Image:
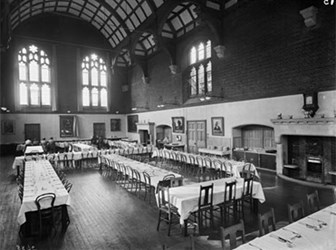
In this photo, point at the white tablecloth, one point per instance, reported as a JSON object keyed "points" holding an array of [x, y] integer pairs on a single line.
{"points": [[78, 147], [237, 166], [185, 198], [314, 235], [39, 178], [155, 173], [34, 150], [214, 152]]}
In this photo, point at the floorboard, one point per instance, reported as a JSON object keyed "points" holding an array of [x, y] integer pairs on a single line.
{"points": [[105, 216]]}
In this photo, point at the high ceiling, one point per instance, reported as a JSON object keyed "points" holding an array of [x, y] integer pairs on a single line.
{"points": [[117, 19]]}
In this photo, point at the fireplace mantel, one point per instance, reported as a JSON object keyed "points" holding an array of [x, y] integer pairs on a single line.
{"points": [[145, 126], [304, 126]]}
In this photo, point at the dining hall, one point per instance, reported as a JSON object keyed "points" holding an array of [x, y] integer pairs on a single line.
{"points": [[158, 125]]}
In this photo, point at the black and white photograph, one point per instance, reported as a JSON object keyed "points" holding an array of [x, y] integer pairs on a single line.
{"points": [[217, 124], [167, 125], [178, 124], [115, 124]]}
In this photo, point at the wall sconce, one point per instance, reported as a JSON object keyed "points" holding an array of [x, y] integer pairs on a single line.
{"points": [[173, 69], [140, 108], [208, 97], [219, 49], [145, 79], [309, 16]]}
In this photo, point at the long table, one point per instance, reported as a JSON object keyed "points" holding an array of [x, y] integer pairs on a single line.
{"points": [[155, 173], [185, 198], [76, 156], [237, 166], [81, 147], [316, 231], [40, 178]]}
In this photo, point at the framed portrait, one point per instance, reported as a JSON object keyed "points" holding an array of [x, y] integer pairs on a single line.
{"points": [[217, 125], [67, 126], [178, 124], [7, 127], [115, 124], [132, 120]]}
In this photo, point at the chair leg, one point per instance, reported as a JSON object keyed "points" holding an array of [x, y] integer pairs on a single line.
{"points": [[158, 225]]}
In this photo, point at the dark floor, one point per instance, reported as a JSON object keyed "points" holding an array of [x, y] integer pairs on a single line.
{"points": [[105, 216]]}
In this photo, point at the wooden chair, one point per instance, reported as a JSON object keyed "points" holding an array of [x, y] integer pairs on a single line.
{"points": [[219, 168], [229, 206], [228, 169], [234, 233], [246, 196], [266, 222], [45, 206], [205, 209], [295, 211], [247, 171], [313, 202], [172, 179], [148, 186], [199, 166], [166, 210]]}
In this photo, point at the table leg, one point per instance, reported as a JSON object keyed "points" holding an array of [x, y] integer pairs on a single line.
{"points": [[185, 230]]}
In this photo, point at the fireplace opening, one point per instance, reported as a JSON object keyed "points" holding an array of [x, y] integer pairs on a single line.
{"points": [[314, 169]]}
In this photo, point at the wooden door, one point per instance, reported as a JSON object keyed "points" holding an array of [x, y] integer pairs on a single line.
{"points": [[99, 130], [196, 133], [32, 132]]}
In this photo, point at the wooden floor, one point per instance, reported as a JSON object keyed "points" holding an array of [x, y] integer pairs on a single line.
{"points": [[105, 216]]}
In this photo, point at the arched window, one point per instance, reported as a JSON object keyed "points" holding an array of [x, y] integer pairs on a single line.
{"points": [[200, 76], [34, 77], [94, 82]]}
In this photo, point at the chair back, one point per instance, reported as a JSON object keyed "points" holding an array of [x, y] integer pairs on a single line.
{"points": [[45, 201], [313, 202], [228, 169], [163, 198], [208, 162], [172, 179], [205, 200], [266, 222], [247, 171], [295, 211], [231, 232], [147, 179], [217, 164], [230, 192], [199, 161], [248, 187], [136, 175], [192, 160]]}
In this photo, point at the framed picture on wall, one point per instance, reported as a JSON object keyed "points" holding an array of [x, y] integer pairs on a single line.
{"points": [[217, 125], [115, 125], [178, 124], [67, 126], [132, 120], [7, 127]]}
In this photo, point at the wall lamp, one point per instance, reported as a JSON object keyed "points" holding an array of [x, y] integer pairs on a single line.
{"points": [[140, 108]]}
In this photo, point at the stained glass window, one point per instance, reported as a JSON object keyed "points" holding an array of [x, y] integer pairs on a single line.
{"points": [[34, 77], [200, 69], [94, 81]]}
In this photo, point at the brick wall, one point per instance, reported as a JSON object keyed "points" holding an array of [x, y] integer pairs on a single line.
{"points": [[269, 52]]}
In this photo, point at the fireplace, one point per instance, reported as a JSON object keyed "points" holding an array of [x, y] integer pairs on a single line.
{"points": [[315, 171], [307, 145]]}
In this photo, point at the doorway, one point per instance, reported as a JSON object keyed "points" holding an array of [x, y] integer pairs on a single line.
{"points": [[196, 135], [32, 132], [99, 130]]}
